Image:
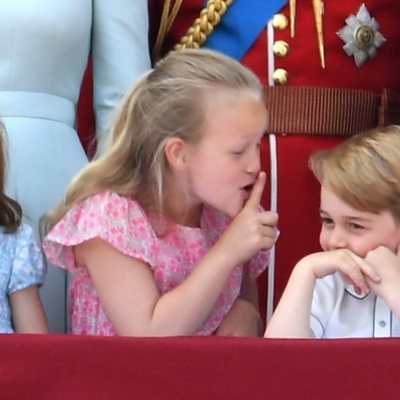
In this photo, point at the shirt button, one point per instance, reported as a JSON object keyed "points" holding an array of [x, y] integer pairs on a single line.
{"points": [[382, 324]]}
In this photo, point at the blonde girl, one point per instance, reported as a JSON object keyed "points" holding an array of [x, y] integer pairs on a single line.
{"points": [[164, 234]]}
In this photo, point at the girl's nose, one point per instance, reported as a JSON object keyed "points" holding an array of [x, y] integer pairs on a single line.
{"points": [[254, 163]]}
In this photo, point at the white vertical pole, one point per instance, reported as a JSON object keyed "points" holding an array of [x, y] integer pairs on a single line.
{"points": [[273, 178]]}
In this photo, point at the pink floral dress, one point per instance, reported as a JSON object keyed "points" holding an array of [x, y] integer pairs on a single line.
{"points": [[122, 223]]}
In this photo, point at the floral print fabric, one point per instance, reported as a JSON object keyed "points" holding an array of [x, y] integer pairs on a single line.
{"points": [[123, 224], [21, 266]]}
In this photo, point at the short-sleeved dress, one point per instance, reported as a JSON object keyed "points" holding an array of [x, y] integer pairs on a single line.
{"points": [[122, 222], [21, 266]]}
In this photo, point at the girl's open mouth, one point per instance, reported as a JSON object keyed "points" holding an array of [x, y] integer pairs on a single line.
{"points": [[248, 188]]}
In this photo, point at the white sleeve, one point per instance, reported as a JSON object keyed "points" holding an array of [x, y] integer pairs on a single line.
{"points": [[120, 51]]}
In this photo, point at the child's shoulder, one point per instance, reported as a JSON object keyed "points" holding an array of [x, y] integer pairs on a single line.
{"points": [[109, 204], [23, 233], [104, 213], [109, 197], [114, 218], [20, 250]]}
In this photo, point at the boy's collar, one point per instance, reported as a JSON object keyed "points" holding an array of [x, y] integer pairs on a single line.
{"points": [[348, 287]]}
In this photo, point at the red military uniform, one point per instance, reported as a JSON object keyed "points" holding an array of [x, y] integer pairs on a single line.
{"points": [[306, 119]]}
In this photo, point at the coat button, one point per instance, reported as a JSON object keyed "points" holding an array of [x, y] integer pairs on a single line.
{"points": [[280, 76], [280, 22], [280, 48]]}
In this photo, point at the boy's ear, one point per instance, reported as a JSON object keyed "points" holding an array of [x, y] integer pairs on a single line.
{"points": [[175, 150]]}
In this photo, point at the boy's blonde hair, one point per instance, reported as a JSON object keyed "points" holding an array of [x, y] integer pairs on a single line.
{"points": [[364, 171], [169, 101]]}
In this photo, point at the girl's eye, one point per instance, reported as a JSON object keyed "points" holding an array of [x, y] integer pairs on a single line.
{"points": [[238, 152]]}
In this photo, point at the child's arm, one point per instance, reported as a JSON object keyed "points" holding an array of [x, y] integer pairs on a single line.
{"points": [[27, 311], [292, 315], [131, 299], [28, 272], [388, 265], [243, 318]]}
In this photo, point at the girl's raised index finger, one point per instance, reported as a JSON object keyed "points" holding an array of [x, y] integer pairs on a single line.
{"points": [[257, 191]]}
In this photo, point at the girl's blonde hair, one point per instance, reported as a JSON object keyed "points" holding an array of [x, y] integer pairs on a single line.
{"points": [[364, 171], [169, 101], [10, 210]]}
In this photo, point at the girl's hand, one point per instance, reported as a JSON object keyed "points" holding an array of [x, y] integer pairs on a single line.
{"points": [[243, 319], [252, 229], [353, 268]]}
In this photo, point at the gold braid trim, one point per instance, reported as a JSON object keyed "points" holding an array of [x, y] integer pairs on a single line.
{"points": [[210, 16]]}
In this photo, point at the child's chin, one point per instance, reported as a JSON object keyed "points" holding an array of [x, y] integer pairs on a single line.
{"points": [[232, 213], [231, 210]]}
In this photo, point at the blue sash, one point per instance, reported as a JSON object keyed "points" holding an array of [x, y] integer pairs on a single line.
{"points": [[241, 25]]}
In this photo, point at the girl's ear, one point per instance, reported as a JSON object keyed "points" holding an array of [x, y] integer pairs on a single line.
{"points": [[175, 150]]}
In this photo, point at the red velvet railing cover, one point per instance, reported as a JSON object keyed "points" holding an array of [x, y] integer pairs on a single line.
{"points": [[71, 367]]}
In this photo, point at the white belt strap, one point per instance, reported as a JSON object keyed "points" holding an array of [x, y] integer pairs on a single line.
{"points": [[21, 104]]}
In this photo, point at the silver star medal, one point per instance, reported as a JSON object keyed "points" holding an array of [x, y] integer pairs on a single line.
{"points": [[361, 36]]}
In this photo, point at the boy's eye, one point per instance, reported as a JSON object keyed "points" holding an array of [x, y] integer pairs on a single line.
{"points": [[355, 226], [326, 221]]}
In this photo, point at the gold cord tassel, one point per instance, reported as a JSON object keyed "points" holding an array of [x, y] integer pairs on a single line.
{"points": [[292, 8], [318, 7], [167, 19]]}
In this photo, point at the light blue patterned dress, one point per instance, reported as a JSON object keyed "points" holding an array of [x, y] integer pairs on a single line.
{"points": [[44, 49], [21, 266]]}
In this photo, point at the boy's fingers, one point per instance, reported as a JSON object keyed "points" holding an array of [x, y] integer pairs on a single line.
{"points": [[367, 268], [257, 191]]}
